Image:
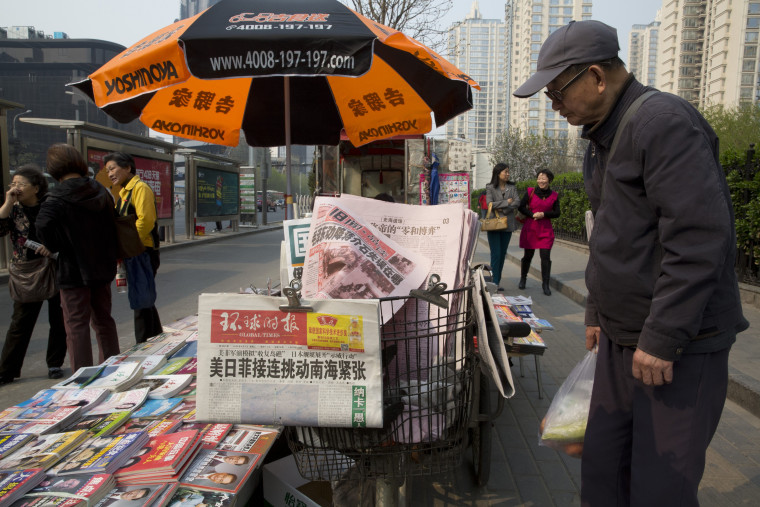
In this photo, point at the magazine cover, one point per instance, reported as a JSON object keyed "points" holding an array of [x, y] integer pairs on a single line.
{"points": [[244, 438], [44, 451], [184, 411], [190, 349], [212, 434], [162, 457], [215, 470], [172, 366], [9, 443], [164, 386], [153, 427], [144, 495], [104, 454], [156, 408], [41, 420], [185, 496], [117, 377], [190, 367], [60, 491], [121, 401], [85, 398], [80, 378], [15, 484], [102, 424]]}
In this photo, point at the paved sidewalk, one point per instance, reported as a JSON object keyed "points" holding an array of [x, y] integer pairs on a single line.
{"points": [[568, 271]]}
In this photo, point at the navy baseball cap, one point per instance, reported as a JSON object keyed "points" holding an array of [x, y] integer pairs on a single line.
{"points": [[577, 42]]}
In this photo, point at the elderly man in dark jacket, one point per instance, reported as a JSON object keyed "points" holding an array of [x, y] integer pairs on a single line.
{"points": [[77, 220], [664, 303]]}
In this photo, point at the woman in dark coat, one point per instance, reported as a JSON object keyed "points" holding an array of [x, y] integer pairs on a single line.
{"points": [[17, 218]]}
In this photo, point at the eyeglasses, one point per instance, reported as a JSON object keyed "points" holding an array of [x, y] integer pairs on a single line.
{"points": [[18, 185], [557, 94]]}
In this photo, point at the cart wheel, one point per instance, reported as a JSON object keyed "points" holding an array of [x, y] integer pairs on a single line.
{"points": [[481, 437]]}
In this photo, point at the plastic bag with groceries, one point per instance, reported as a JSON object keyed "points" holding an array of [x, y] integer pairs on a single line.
{"points": [[564, 425]]}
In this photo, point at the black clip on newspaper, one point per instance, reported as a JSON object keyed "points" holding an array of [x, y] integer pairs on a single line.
{"points": [[433, 292], [294, 300]]}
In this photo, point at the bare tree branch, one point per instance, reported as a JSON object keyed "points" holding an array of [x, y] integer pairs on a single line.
{"points": [[419, 19]]}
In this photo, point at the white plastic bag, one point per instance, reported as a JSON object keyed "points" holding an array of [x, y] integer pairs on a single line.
{"points": [[564, 425]]}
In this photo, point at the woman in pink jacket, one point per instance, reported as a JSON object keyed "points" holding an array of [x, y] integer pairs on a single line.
{"points": [[539, 205]]}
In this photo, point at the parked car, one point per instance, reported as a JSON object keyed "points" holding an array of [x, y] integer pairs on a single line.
{"points": [[280, 203]]}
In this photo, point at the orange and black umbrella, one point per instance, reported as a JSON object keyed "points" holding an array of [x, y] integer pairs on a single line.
{"points": [[284, 72]]}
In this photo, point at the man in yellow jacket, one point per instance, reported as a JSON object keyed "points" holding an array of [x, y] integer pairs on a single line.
{"points": [[138, 198]]}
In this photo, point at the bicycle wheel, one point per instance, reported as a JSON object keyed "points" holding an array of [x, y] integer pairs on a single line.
{"points": [[480, 436]]}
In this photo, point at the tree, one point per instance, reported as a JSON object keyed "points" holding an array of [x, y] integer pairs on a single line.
{"points": [[736, 127], [418, 19], [526, 153]]}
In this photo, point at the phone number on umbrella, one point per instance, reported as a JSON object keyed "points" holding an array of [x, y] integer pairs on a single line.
{"points": [[282, 59]]}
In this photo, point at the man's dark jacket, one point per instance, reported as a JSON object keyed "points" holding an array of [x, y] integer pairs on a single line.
{"points": [[661, 265], [77, 220]]}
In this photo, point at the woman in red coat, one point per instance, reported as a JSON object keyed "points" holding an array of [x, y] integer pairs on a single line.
{"points": [[539, 205]]}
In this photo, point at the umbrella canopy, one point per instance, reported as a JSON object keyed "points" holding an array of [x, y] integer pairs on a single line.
{"points": [[284, 72]]}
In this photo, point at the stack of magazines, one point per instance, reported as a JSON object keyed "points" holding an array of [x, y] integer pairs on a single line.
{"points": [[69, 491], [119, 434]]}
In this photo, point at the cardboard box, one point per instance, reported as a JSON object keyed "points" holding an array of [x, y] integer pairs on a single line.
{"points": [[284, 486]]}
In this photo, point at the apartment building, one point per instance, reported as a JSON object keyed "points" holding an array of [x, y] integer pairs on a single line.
{"points": [[529, 23], [477, 46], [643, 52], [709, 51]]}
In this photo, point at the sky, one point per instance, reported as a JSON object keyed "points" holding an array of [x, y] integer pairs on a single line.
{"points": [[126, 22]]}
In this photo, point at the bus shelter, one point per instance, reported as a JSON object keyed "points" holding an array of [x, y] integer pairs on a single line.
{"points": [[5, 173]]}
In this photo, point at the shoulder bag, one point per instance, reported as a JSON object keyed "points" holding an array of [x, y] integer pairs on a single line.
{"points": [[128, 239], [498, 223], [32, 280]]}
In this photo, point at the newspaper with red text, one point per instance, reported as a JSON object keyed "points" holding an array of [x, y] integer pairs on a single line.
{"points": [[261, 365]]}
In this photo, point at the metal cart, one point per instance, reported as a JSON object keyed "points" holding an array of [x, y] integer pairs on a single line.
{"points": [[429, 367]]}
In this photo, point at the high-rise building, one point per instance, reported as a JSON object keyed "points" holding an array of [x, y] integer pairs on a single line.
{"points": [[709, 51], [529, 23], [642, 52], [477, 47], [34, 72]]}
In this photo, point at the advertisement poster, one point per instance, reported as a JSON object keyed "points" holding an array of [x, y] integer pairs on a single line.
{"points": [[154, 172], [262, 365], [455, 188], [218, 192], [247, 193]]}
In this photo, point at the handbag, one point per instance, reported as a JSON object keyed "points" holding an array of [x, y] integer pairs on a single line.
{"points": [[519, 216], [32, 280], [498, 223], [128, 239], [128, 242]]}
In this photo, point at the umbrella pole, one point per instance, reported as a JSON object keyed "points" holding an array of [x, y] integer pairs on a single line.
{"points": [[288, 192]]}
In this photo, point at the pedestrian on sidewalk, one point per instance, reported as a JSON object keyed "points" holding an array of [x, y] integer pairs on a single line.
{"points": [[18, 214], [539, 205], [137, 198], [502, 195], [76, 220], [663, 304], [483, 204]]}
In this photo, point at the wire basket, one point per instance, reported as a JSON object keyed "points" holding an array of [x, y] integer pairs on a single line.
{"points": [[428, 367]]}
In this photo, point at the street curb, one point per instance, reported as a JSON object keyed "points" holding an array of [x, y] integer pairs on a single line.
{"points": [[194, 242], [742, 389]]}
